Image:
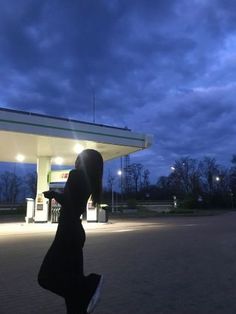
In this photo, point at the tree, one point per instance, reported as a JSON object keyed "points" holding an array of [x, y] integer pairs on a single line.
{"points": [[135, 173], [110, 181], [146, 179], [165, 189], [210, 171], [10, 186], [232, 173], [185, 178], [31, 183]]}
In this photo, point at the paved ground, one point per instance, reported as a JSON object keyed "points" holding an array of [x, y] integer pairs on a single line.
{"points": [[151, 266]]}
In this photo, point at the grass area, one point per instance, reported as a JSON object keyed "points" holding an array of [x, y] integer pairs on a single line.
{"points": [[142, 213]]}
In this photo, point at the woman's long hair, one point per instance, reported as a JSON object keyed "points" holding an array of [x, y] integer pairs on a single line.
{"points": [[90, 161]]}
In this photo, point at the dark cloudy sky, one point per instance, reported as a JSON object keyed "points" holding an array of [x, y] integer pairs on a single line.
{"points": [[160, 67]]}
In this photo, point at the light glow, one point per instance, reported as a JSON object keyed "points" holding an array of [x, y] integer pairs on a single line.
{"points": [[78, 148], [20, 157], [59, 160], [119, 172]]}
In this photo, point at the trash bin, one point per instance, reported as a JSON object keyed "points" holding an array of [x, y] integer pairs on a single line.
{"points": [[91, 212], [102, 215], [29, 210]]}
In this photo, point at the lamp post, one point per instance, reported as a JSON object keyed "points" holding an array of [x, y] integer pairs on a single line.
{"points": [[114, 196], [119, 172], [112, 199]]}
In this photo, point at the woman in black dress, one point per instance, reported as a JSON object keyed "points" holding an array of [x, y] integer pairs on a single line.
{"points": [[62, 270]]}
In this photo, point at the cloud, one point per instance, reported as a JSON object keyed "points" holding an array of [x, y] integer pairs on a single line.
{"points": [[161, 67]]}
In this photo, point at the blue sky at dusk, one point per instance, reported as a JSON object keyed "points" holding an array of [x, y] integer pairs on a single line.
{"points": [[167, 68]]}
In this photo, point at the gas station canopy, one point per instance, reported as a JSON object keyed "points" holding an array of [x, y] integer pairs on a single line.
{"points": [[45, 140], [32, 135]]}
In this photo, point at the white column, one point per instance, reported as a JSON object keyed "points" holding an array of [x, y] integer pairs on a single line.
{"points": [[41, 203]]}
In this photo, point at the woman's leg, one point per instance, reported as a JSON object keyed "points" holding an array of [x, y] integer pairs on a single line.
{"points": [[76, 292], [73, 306], [89, 287]]}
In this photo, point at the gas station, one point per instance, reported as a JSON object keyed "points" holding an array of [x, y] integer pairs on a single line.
{"points": [[45, 141]]}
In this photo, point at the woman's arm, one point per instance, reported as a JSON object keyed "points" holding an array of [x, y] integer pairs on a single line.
{"points": [[59, 197]]}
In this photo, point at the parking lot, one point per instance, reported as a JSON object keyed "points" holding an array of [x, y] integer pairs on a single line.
{"points": [[162, 265]]}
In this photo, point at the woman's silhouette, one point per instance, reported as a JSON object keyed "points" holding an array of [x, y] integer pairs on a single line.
{"points": [[62, 270]]}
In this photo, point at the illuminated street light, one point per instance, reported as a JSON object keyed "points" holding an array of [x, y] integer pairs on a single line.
{"points": [[119, 172], [172, 168], [217, 178]]}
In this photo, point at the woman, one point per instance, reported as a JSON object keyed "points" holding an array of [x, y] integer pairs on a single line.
{"points": [[62, 270]]}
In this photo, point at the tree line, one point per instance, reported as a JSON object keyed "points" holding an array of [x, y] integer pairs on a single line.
{"points": [[14, 188], [194, 183]]}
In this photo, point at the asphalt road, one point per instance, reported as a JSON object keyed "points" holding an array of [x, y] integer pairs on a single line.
{"points": [[184, 265]]}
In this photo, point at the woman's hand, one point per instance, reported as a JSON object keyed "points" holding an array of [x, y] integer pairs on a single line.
{"points": [[48, 194]]}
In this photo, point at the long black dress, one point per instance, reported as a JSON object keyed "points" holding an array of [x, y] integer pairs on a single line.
{"points": [[62, 269]]}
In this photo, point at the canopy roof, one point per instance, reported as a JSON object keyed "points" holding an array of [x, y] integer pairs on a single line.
{"points": [[34, 135]]}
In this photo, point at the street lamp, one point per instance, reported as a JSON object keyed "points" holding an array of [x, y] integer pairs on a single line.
{"points": [[114, 195], [120, 173]]}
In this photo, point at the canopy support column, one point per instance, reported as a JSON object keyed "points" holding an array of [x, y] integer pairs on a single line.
{"points": [[41, 203]]}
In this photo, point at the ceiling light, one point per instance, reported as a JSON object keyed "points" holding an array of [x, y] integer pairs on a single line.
{"points": [[78, 148], [20, 157], [58, 160]]}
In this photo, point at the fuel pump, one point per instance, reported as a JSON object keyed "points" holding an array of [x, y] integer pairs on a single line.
{"points": [[54, 210]]}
